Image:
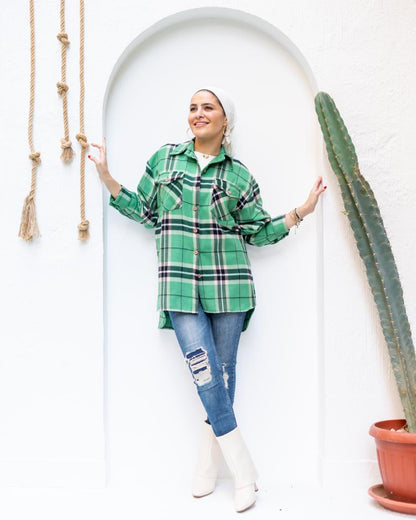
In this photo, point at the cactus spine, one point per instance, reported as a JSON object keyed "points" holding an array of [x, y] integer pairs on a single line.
{"points": [[374, 247]]}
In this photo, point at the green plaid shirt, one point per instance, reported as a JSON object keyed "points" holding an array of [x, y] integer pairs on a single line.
{"points": [[202, 222]]}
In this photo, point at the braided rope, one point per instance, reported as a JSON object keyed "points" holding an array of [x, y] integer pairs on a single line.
{"points": [[29, 227], [83, 232], [66, 145]]}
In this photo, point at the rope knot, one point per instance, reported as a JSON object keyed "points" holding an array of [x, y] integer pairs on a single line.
{"points": [[35, 157], [63, 38], [62, 87], [82, 140], [83, 226], [65, 143], [83, 233], [67, 151]]}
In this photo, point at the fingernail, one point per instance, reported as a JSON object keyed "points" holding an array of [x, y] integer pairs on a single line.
{"points": [[89, 157], [325, 187]]}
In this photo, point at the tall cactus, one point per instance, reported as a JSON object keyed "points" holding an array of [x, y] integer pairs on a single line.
{"points": [[374, 247]]}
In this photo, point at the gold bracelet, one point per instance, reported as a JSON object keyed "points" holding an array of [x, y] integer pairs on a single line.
{"points": [[295, 217]]}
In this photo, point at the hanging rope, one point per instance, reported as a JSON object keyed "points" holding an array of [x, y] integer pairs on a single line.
{"points": [[66, 145], [29, 226], [83, 232]]}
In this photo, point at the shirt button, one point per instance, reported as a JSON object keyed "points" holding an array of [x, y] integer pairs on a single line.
{"points": [[195, 230], [195, 208], [229, 192], [196, 252], [199, 275]]}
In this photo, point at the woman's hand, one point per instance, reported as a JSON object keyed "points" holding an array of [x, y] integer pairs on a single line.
{"points": [[312, 200], [102, 168], [309, 206], [100, 161]]}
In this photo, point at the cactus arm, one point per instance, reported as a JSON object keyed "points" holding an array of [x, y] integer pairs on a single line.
{"points": [[375, 250]]}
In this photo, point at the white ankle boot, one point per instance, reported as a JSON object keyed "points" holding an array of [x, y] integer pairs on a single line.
{"points": [[242, 468], [209, 461]]}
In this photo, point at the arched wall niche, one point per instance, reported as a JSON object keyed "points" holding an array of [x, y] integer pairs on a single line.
{"points": [[280, 355], [215, 14]]}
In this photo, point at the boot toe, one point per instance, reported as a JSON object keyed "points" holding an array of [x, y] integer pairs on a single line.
{"points": [[244, 498], [202, 486]]}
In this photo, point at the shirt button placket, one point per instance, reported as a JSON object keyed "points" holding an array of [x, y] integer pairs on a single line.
{"points": [[197, 260]]}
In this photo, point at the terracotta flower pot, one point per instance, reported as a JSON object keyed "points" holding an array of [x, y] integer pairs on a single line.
{"points": [[396, 453]]}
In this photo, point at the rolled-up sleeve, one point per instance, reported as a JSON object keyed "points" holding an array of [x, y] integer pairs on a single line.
{"points": [[141, 205], [255, 224]]}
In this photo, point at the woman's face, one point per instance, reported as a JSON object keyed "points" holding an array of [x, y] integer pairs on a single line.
{"points": [[206, 117]]}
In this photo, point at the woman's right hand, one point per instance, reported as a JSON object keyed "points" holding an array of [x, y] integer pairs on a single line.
{"points": [[102, 168], [101, 160]]}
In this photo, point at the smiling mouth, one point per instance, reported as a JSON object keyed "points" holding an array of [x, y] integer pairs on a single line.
{"points": [[200, 123]]}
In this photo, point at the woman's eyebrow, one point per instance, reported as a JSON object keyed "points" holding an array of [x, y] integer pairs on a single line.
{"points": [[202, 104]]}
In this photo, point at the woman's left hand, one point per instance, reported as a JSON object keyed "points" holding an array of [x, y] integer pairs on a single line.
{"points": [[292, 218], [309, 207]]}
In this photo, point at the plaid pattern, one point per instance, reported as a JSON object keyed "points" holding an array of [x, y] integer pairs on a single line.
{"points": [[202, 222]]}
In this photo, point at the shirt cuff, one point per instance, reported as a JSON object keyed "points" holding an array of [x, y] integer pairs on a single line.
{"points": [[279, 225], [123, 199]]}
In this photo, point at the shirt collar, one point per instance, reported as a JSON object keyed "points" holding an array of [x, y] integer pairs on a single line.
{"points": [[188, 149]]}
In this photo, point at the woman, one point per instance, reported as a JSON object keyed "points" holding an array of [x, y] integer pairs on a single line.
{"points": [[204, 206]]}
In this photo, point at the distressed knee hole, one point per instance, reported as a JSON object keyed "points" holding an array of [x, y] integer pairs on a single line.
{"points": [[225, 375], [198, 363]]}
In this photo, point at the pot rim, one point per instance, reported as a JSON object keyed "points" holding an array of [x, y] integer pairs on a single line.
{"points": [[382, 430]]}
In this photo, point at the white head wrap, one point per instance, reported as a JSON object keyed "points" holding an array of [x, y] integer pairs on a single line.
{"points": [[228, 105]]}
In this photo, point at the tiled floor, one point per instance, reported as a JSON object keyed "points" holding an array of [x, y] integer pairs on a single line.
{"points": [[163, 504]]}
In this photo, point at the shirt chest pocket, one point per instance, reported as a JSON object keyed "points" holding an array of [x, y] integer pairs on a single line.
{"points": [[170, 190], [224, 202]]}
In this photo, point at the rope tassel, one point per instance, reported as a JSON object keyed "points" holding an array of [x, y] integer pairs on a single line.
{"points": [[83, 230], [67, 151], [29, 226]]}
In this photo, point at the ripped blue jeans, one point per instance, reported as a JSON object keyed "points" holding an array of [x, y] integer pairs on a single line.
{"points": [[209, 343]]}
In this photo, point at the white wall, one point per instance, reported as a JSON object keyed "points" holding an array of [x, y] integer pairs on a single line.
{"points": [[62, 377]]}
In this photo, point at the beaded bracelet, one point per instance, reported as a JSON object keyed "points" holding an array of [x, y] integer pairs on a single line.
{"points": [[295, 217]]}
